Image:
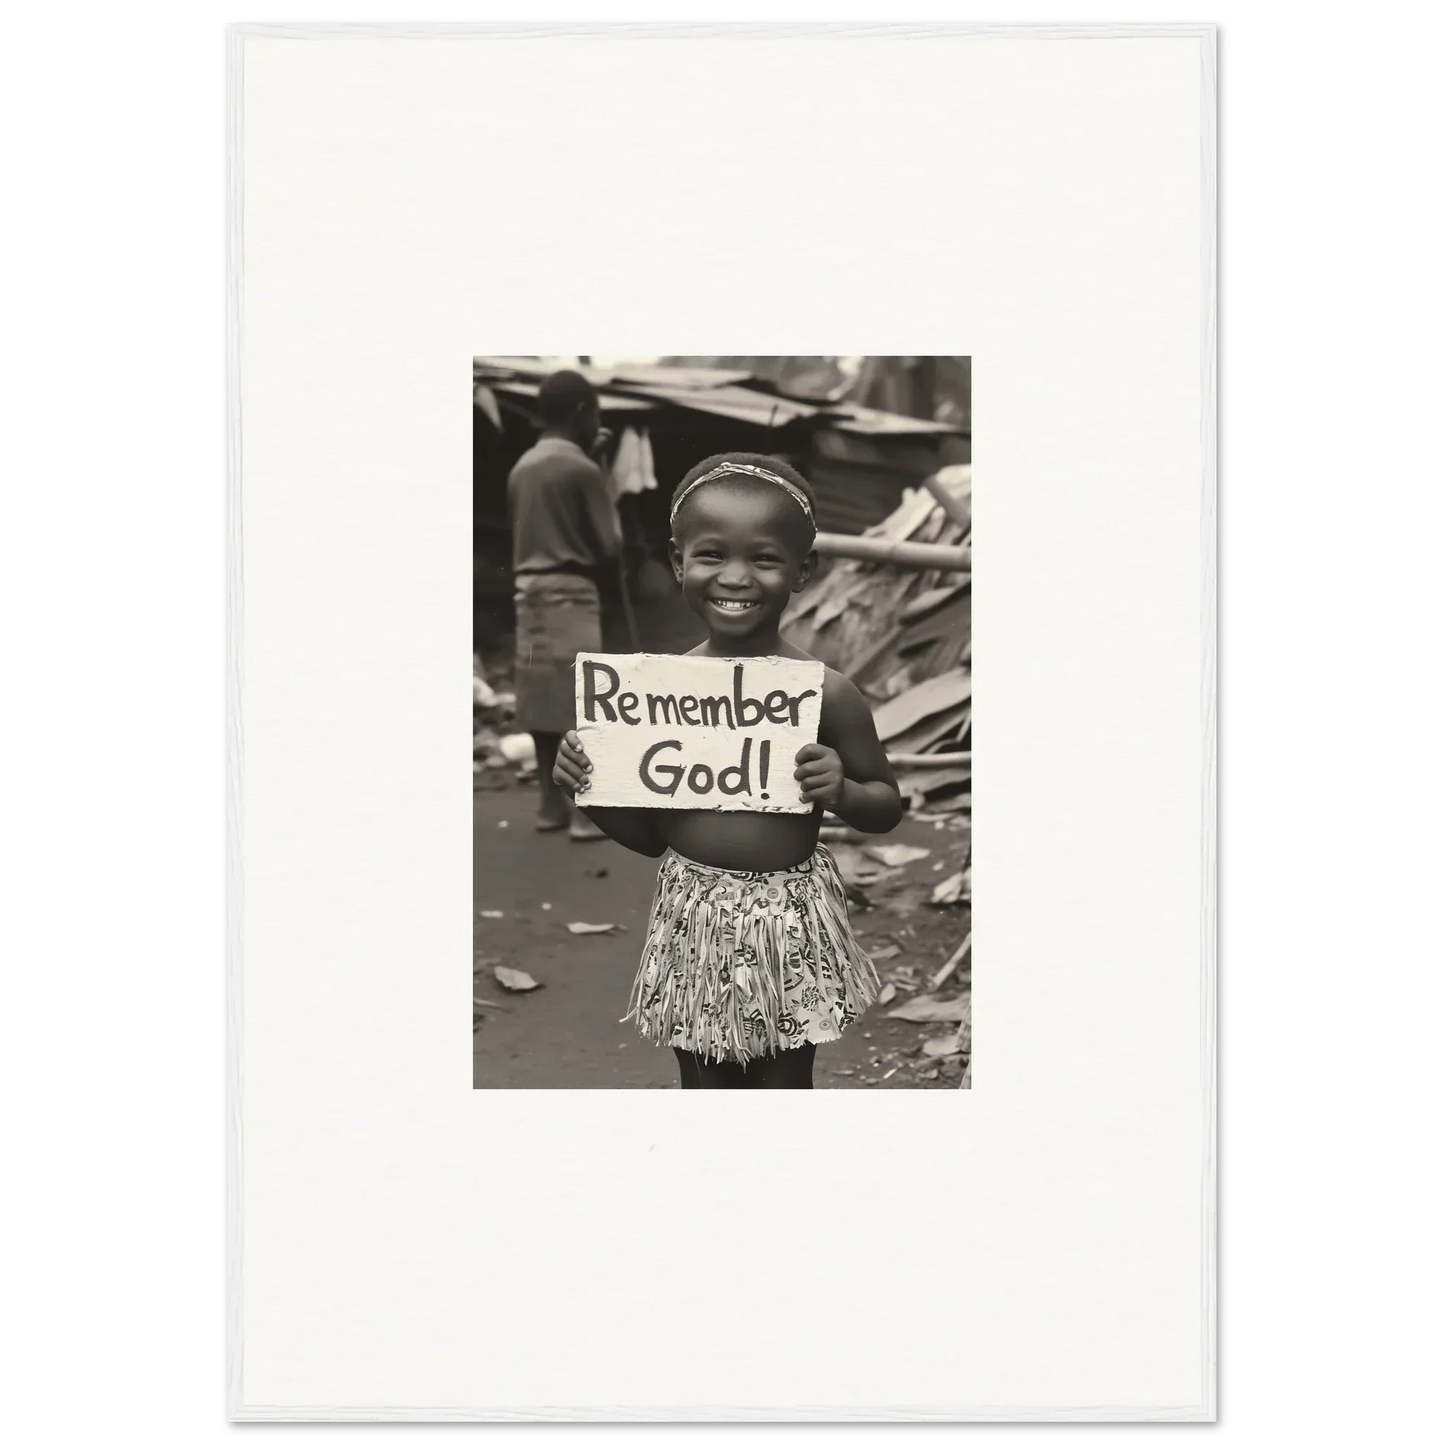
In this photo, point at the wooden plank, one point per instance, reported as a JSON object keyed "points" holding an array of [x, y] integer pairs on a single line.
{"points": [[897, 554], [956, 509], [922, 736], [899, 714], [933, 599], [932, 780]]}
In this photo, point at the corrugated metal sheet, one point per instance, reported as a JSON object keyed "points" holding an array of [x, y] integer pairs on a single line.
{"points": [[686, 378], [807, 378], [529, 368], [734, 402], [865, 421], [607, 400]]}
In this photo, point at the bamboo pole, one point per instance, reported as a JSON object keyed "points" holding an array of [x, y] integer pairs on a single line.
{"points": [[923, 555], [953, 508]]}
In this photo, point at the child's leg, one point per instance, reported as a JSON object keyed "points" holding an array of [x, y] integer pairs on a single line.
{"points": [[552, 812], [786, 1069], [702, 1073], [687, 1069]]}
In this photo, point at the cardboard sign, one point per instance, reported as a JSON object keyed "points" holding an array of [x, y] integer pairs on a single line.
{"points": [[696, 732]]}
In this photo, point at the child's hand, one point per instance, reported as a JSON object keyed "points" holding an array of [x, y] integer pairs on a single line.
{"points": [[571, 770], [820, 771]]}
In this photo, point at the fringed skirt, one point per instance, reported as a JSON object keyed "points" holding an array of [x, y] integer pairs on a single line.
{"points": [[738, 965]]}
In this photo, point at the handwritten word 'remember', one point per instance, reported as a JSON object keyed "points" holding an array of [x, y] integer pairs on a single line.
{"points": [[738, 711]]}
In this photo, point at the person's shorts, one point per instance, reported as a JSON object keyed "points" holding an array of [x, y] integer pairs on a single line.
{"points": [[558, 616]]}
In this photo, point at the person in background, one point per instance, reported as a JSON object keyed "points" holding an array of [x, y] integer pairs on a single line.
{"points": [[565, 530]]}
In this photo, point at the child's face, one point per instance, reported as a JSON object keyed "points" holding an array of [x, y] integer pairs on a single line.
{"points": [[738, 557]]}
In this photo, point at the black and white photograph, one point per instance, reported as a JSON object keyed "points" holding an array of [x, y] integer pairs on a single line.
{"points": [[721, 718]]}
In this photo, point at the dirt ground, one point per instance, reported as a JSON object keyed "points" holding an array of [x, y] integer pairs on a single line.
{"points": [[568, 1035]]}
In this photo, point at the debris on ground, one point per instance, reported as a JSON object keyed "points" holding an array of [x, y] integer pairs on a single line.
{"points": [[596, 928], [937, 1048], [518, 748], [514, 979], [887, 993], [953, 889], [857, 866], [930, 1009], [882, 955], [896, 855], [478, 1005], [493, 708], [491, 913]]}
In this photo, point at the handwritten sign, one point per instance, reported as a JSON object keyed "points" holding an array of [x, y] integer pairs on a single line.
{"points": [[696, 732]]}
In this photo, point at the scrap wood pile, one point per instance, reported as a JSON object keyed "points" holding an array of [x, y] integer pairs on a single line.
{"points": [[902, 635]]}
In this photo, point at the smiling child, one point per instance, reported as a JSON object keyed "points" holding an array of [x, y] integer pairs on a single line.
{"points": [[750, 962]]}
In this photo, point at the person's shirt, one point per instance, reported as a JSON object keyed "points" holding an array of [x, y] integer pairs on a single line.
{"points": [[562, 516]]}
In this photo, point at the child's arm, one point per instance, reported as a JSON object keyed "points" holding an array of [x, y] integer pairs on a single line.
{"points": [[847, 770], [632, 827]]}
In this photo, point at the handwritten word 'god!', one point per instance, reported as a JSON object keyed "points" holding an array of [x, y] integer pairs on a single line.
{"points": [[666, 777]]}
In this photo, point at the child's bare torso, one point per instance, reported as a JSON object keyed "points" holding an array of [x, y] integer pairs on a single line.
{"points": [[748, 842]]}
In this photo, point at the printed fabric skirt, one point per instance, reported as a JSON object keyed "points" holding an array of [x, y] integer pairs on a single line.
{"points": [[558, 615], [739, 965]]}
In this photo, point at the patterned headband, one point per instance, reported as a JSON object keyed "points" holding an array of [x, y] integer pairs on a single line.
{"points": [[727, 467]]}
